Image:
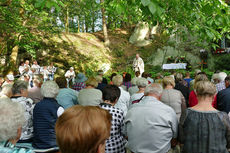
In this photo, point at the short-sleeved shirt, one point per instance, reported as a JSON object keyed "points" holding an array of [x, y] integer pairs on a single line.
{"points": [[116, 142], [7, 147], [150, 125], [27, 128], [204, 131]]}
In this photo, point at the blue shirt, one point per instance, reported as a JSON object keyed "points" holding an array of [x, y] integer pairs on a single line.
{"points": [[67, 97], [7, 147]]}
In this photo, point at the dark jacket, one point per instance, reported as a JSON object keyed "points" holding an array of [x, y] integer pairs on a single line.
{"points": [[44, 120], [223, 100], [184, 90]]}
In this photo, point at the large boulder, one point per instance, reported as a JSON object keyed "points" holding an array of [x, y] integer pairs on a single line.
{"points": [[141, 31]]}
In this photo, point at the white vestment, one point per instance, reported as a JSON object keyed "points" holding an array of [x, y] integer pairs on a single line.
{"points": [[138, 65]]}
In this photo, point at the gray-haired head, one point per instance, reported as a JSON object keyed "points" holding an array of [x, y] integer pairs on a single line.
{"points": [[134, 81], [19, 86], [12, 118], [117, 80], [154, 88], [50, 89], [142, 82]]}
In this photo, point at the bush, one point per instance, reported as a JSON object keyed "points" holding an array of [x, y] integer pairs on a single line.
{"points": [[223, 62]]}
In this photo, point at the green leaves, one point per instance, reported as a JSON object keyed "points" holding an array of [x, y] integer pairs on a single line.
{"points": [[145, 2], [152, 7]]}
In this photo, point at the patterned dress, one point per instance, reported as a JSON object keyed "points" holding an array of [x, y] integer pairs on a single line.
{"points": [[27, 128], [7, 147], [116, 142]]}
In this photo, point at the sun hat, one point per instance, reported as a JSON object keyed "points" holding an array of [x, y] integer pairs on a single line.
{"points": [[81, 78], [10, 77]]}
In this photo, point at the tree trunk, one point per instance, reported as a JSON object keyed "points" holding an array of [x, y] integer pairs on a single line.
{"points": [[106, 38], [67, 20], [78, 24], [93, 21]]}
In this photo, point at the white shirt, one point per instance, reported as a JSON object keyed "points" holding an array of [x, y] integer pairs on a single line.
{"points": [[134, 97], [21, 69], [52, 69], [69, 74], [45, 73], [37, 68], [123, 101]]}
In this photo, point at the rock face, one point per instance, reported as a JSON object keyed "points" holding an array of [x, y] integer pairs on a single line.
{"points": [[141, 31], [159, 57]]}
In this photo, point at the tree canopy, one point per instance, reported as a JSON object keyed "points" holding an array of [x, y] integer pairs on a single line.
{"points": [[24, 23]]}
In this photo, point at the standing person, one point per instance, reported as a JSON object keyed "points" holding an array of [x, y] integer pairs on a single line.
{"points": [[45, 73], [116, 142], [36, 67], [52, 69], [21, 68], [151, 126], [203, 129], [70, 75], [223, 97], [138, 64], [27, 63]]}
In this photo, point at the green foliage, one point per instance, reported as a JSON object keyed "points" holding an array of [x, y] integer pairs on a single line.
{"points": [[222, 62]]}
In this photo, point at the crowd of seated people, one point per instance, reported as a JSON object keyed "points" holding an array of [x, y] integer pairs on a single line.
{"points": [[92, 114]]}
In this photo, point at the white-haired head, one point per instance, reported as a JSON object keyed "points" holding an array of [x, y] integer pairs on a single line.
{"points": [[12, 118], [154, 89], [117, 80], [221, 76], [50, 89], [142, 82], [7, 90]]}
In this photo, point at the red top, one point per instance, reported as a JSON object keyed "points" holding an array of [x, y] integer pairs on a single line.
{"points": [[193, 100]]}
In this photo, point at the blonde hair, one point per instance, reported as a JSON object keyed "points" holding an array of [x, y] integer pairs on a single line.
{"points": [[205, 88], [117, 80], [92, 82], [168, 80], [200, 77], [81, 129], [99, 78]]}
